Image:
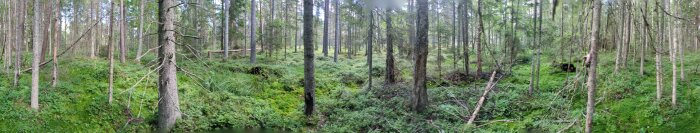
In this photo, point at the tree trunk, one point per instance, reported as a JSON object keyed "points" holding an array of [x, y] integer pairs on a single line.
{"points": [[10, 30], [466, 4], [111, 50], [140, 47], [658, 49], [20, 12], [370, 39], [37, 54], [224, 34], [252, 32], [168, 105], [420, 93], [309, 80], [593, 58], [93, 17], [57, 43], [326, 3], [122, 33], [672, 54], [337, 31], [479, 33], [390, 77]]}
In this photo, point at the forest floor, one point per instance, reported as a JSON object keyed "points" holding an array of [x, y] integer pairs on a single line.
{"points": [[233, 94]]}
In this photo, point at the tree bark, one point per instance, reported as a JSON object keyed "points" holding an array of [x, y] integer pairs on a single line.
{"points": [[390, 77], [57, 43], [325, 27], [140, 47], [420, 93], [111, 50], [252, 32], [337, 31], [224, 30], [19, 39], [309, 80], [370, 39], [37, 54], [479, 33], [592, 74], [672, 54], [168, 105], [122, 33]]}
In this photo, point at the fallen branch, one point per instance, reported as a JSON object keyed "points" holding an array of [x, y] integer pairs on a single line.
{"points": [[570, 125], [489, 86], [69, 48], [494, 121]]}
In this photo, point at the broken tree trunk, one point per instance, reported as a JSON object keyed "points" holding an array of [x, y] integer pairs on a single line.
{"points": [[489, 86]]}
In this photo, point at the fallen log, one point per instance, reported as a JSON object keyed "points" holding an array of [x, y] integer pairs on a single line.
{"points": [[489, 86]]}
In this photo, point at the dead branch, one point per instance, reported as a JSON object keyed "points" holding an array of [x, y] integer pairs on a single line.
{"points": [[489, 86]]}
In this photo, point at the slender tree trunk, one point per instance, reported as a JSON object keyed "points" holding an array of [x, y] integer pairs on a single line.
{"points": [[390, 77], [659, 70], [326, 4], [309, 80], [37, 54], [454, 35], [672, 54], [337, 31], [479, 34], [21, 13], [466, 4], [420, 93], [57, 43], [111, 50], [10, 36], [252, 32], [93, 17], [168, 105], [122, 33], [224, 30], [140, 47], [370, 39], [592, 74]]}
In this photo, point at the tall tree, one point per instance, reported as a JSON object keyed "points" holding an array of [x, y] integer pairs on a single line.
{"points": [[37, 35], [420, 93], [672, 52], [224, 38], [140, 45], [110, 50], [122, 32], [309, 81], [168, 105], [57, 42], [370, 39], [479, 34], [337, 31], [19, 38], [390, 77], [466, 4], [326, 13], [593, 60], [252, 32]]}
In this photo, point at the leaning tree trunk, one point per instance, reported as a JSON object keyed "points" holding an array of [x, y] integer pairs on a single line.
{"points": [[37, 55], [309, 81], [420, 93], [593, 58], [168, 105]]}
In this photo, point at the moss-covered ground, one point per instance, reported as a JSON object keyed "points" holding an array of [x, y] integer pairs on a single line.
{"points": [[234, 95]]}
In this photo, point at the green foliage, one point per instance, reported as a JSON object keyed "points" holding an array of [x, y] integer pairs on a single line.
{"points": [[230, 95]]}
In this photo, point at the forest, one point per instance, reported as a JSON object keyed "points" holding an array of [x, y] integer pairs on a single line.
{"points": [[350, 66]]}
